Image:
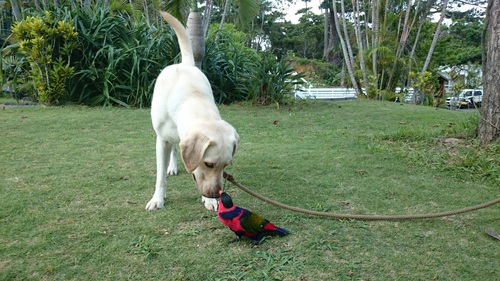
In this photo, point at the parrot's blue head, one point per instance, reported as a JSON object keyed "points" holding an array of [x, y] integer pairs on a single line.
{"points": [[226, 200]]}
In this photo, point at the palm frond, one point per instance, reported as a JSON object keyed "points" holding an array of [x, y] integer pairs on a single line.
{"points": [[179, 9], [248, 10]]}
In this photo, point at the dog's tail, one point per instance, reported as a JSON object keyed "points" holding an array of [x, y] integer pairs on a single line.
{"points": [[182, 37]]}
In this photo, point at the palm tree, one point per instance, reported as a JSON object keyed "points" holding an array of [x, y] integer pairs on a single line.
{"points": [[375, 39], [346, 46], [247, 11], [359, 39], [436, 36]]}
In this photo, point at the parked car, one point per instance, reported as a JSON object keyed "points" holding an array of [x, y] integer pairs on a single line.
{"points": [[466, 99]]}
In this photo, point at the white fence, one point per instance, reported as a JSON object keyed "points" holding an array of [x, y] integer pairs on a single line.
{"points": [[407, 93], [326, 93]]}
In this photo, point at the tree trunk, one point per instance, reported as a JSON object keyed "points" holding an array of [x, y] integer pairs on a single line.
{"points": [[347, 58], [207, 16], [346, 34], [405, 33], [361, 53], [375, 26], [325, 35], [489, 126], [195, 29], [423, 18], [436, 36], [333, 57], [16, 11], [223, 18]]}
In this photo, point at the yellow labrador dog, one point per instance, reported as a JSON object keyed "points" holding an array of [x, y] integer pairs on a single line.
{"points": [[183, 112]]}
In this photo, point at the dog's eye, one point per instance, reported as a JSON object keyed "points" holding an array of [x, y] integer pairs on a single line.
{"points": [[209, 165]]}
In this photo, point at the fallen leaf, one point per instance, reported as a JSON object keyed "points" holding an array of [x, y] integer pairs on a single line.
{"points": [[276, 122]]}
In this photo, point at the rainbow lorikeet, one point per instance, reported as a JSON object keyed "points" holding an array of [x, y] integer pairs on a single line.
{"points": [[245, 223]]}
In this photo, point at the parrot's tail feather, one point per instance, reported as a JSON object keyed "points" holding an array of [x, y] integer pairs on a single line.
{"points": [[274, 230], [282, 231]]}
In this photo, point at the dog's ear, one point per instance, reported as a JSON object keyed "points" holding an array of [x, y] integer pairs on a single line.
{"points": [[235, 145], [192, 150]]}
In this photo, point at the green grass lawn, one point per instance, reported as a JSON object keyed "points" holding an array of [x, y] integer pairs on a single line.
{"points": [[74, 182]]}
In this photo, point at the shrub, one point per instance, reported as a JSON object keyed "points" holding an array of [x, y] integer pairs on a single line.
{"points": [[316, 71], [120, 58], [425, 84], [272, 81], [228, 64], [47, 46]]}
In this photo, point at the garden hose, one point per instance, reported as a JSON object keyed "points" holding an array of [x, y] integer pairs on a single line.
{"points": [[230, 178]]}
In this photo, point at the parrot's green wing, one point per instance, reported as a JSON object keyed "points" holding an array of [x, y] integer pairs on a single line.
{"points": [[252, 222]]}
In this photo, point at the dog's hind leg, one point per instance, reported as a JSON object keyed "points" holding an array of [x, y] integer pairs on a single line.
{"points": [[163, 153], [172, 166]]}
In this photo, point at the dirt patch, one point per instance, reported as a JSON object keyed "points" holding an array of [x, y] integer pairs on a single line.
{"points": [[17, 104], [450, 141]]}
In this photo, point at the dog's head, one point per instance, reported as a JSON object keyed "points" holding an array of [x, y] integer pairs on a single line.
{"points": [[206, 152]]}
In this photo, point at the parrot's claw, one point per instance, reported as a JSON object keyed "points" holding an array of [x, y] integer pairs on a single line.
{"points": [[236, 239], [254, 244]]}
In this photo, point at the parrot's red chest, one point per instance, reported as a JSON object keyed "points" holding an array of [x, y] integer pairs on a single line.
{"points": [[233, 223]]}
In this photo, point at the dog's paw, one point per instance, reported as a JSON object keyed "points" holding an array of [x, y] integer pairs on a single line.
{"points": [[210, 203], [172, 169], [155, 204]]}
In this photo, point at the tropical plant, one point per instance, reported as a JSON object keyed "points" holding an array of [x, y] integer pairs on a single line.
{"points": [[272, 82], [13, 76], [119, 58], [425, 84], [47, 45], [228, 63]]}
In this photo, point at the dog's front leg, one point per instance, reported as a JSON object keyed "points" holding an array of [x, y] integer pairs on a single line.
{"points": [[172, 166], [163, 151]]}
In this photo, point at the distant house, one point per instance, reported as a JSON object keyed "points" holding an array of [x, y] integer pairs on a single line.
{"points": [[445, 84], [469, 75]]}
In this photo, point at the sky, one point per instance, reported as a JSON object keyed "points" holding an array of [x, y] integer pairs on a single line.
{"points": [[301, 5]]}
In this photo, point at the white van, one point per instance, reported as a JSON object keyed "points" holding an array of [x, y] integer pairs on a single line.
{"points": [[466, 99]]}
